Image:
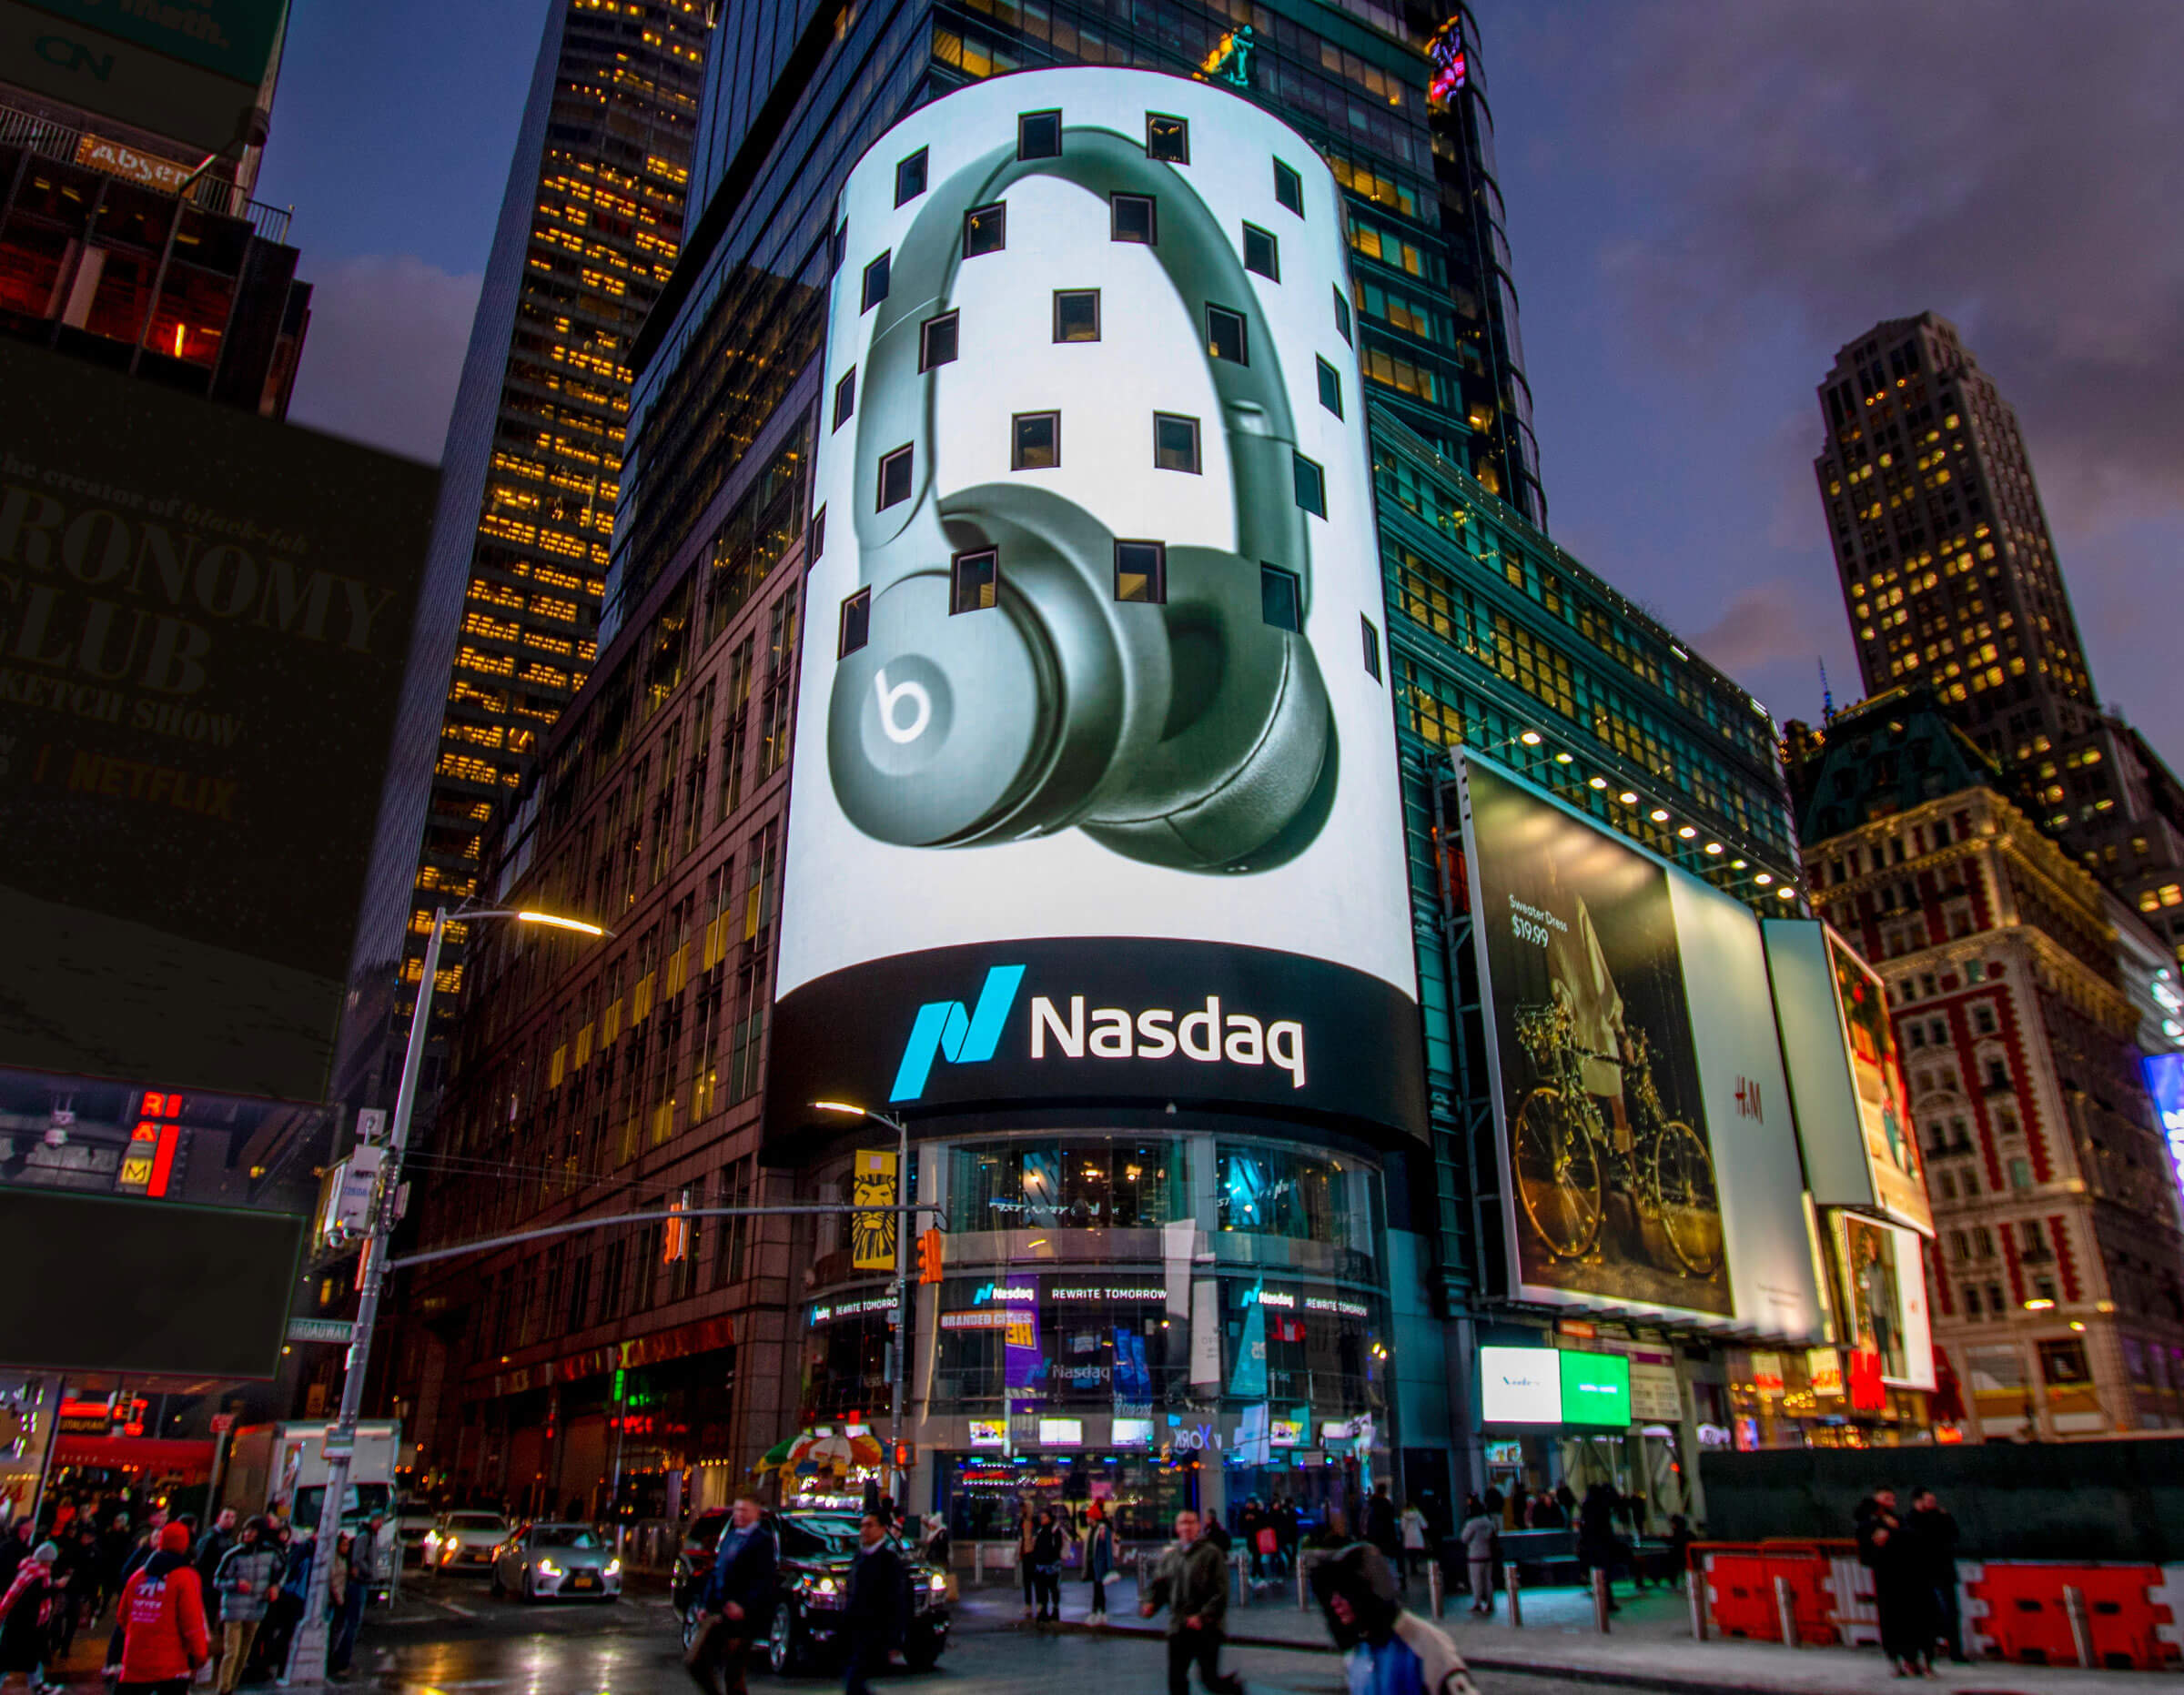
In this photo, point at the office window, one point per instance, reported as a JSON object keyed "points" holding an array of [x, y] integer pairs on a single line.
{"points": [[1166, 138], [910, 177], [1281, 599], [818, 544], [937, 341], [974, 581], [856, 623], [846, 397], [1289, 188], [875, 282], [1372, 650], [1341, 314], [1330, 387], [984, 230], [1311, 486], [1142, 571], [1175, 442], [838, 249], [1039, 135], [1077, 314], [1036, 441], [895, 478], [1262, 253], [1225, 334], [1133, 217]]}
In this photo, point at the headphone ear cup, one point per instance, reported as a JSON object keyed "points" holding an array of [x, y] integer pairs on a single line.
{"points": [[1249, 732]]}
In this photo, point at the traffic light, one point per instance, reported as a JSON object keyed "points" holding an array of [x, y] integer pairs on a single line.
{"points": [[930, 1254], [675, 1238], [906, 1455]]}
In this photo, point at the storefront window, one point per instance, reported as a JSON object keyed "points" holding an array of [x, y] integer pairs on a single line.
{"points": [[1309, 1345], [846, 1357], [1140, 1494], [1267, 1191], [1089, 1184], [1092, 1339]]}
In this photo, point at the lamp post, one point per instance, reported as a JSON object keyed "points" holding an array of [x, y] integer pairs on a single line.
{"points": [[307, 1663], [900, 1348]]}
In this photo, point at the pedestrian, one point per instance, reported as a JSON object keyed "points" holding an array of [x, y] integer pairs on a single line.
{"points": [[247, 1581], [1387, 1648], [1599, 1547], [1414, 1538], [163, 1621], [737, 1603], [872, 1611], [1027, 1531], [15, 1550], [27, 1617], [1932, 1533], [1099, 1561], [1215, 1532], [77, 1572], [349, 1582], [1192, 1581], [1383, 1527], [1477, 1535], [1680, 1539], [1901, 1593], [1516, 1507], [277, 1634], [145, 1544], [1046, 1568]]}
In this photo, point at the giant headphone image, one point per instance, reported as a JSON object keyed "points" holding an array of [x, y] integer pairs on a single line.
{"points": [[1192, 733]]}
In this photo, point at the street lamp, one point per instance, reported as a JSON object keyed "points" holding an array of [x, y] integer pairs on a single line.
{"points": [[900, 1347], [307, 1665]]}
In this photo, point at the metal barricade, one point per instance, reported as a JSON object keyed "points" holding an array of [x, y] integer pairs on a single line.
{"points": [[1515, 1585]]}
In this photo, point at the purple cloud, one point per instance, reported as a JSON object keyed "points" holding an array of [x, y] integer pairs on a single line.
{"points": [[384, 353]]}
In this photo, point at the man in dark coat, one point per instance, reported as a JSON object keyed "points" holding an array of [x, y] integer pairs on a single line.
{"points": [[1930, 1534], [872, 1613], [1901, 1593], [738, 1599]]}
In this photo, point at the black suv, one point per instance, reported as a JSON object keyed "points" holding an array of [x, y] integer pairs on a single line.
{"points": [[817, 1549]]}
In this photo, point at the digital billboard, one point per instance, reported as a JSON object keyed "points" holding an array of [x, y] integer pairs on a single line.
{"points": [[1520, 1386], [1596, 1388], [1854, 1112], [2165, 1083], [204, 619], [1643, 1118], [1885, 1298], [1096, 793]]}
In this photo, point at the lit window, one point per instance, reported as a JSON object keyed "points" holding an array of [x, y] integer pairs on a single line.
{"points": [[1330, 387], [895, 478], [1175, 442], [845, 397], [974, 581], [1142, 571], [937, 341], [856, 623], [984, 230], [1289, 188], [910, 177], [1036, 441], [875, 282], [1166, 138], [1262, 253], [1311, 486], [1133, 217], [1077, 314], [1039, 135], [1225, 336], [1281, 599]]}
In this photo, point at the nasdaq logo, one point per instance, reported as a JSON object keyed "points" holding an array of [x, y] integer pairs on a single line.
{"points": [[946, 1030]]}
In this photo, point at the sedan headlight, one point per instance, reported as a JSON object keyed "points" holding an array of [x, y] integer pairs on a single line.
{"points": [[615, 1567], [825, 1586], [939, 1584], [550, 1569]]}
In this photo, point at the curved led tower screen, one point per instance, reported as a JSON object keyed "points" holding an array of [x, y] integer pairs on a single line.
{"points": [[1095, 788]]}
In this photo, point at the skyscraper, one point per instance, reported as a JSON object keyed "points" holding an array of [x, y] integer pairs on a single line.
{"points": [[588, 235], [1950, 577]]}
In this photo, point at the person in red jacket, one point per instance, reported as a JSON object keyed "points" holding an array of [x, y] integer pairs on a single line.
{"points": [[163, 1612]]}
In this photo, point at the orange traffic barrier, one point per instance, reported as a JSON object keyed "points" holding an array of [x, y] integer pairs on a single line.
{"points": [[2014, 1611]]}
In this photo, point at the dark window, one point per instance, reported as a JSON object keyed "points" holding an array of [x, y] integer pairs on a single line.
{"points": [[1175, 442], [1288, 187], [1225, 334], [875, 282], [1142, 571], [839, 249], [1039, 135], [1262, 253], [937, 341], [1311, 486], [1341, 314], [974, 581], [1330, 387], [1166, 138], [856, 623], [818, 532], [984, 230], [895, 478], [1372, 649], [1133, 217], [910, 177], [1280, 602], [1077, 314], [845, 397], [1035, 442]]}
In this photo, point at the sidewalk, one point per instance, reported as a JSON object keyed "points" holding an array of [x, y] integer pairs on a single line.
{"points": [[1650, 1645]]}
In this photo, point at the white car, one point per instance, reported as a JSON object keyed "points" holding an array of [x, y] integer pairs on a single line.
{"points": [[543, 1560], [464, 1539]]}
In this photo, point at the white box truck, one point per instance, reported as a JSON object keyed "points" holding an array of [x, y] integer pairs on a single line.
{"points": [[283, 1467]]}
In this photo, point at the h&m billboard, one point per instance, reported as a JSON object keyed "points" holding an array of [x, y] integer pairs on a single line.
{"points": [[1095, 794]]}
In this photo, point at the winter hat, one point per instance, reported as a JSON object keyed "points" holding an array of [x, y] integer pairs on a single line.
{"points": [[45, 1553], [175, 1540]]}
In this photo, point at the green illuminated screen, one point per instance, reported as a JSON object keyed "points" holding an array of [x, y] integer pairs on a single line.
{"points": [[1596, 1388]]}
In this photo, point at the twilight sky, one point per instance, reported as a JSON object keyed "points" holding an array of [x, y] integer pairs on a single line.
{"points": [[1706, 197]]}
